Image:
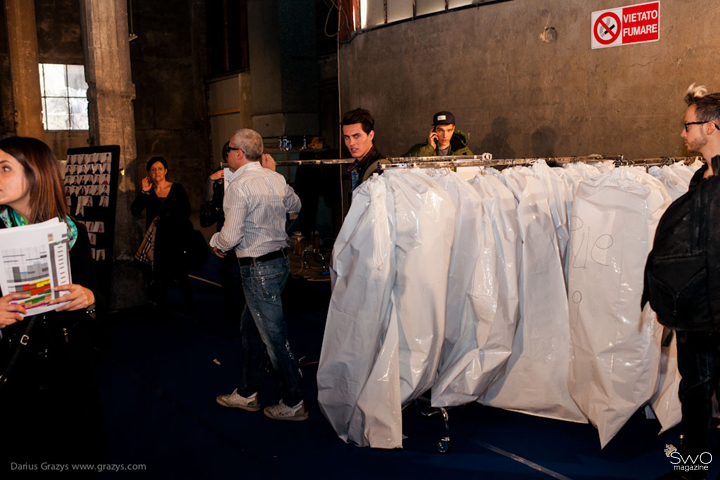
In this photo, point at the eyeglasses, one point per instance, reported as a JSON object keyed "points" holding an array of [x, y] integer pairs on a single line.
{"points": [[687, 124], [230, 149]]}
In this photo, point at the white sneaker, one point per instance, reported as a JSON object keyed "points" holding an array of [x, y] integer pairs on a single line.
{"points": [[235, 400], [298, 413]]}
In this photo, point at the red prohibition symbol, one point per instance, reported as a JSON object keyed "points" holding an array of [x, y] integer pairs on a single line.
{"points": [[607, 28]]}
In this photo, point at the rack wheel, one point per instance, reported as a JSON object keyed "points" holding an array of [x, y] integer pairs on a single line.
{"points": [[442, 446]]}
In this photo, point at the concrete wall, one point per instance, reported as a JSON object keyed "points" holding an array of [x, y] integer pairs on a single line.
{"points": [[283, 67], [168, 61], [519, 96], [58, 32]]}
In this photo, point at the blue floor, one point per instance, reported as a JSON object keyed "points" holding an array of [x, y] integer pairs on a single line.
{"points": [[161, 372]]}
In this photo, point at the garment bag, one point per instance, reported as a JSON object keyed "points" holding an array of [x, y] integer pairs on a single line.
{"points": [[558, 192], [472, 297], [477, 368], [674, 181], [358, 375], [686, 172], [665, 402], [425, 221], [616, 347], [535, 377]]}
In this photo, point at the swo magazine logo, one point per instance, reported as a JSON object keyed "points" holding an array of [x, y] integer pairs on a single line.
{"points": [[688, 463]]}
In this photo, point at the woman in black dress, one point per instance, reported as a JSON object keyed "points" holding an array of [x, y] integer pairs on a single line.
{"points": [[169, 204]]}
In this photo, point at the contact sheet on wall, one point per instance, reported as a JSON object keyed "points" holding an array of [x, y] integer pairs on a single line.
{"points": [[91, 176]]}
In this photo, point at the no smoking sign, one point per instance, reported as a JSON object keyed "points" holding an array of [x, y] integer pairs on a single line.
{"points": [[607, 29], [626, 25]]}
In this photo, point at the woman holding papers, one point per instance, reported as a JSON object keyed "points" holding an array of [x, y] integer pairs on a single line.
{"points": [[47, 395]]}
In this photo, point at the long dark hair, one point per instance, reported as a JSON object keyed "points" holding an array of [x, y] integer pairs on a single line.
{"points": [[42, 171]]}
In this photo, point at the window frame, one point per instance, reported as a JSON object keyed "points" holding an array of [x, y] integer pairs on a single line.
{"points": [[67, 97], [352, 9]]}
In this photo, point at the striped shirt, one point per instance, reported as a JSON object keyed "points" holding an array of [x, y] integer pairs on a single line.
{"points": [[255, 204]]}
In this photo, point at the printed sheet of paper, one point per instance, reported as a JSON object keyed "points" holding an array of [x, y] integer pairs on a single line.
{"points": [[34, 259]]}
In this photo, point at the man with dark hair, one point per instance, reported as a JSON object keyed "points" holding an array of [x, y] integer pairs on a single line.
{"points": [[698, 352], [256, 203], [214, 194], [358, 133], [444, 139], [702, 122]]}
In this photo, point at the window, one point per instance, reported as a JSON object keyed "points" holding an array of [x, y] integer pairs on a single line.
{"points": [[64, 97], [227, 36], [374, 13]]}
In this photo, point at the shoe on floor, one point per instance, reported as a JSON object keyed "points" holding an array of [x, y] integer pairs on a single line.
{"points": [[298, 413], [235, 400]]}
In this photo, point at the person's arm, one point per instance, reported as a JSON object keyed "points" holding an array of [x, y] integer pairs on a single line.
{"points": [[267, 161], [210, 184], [291, 201], [82, 290], [143, 197], [233, 231], [209, 189], [140, 203]]}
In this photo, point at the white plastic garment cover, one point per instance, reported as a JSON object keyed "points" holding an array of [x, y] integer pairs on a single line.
{"points": [[535, 377], [558, 195], [665, 403], [604, 166], [686, 172], [477, 368], [425, 222], [472, 300], [616, 347], [674, 179], [358, 375], [586, 170]]}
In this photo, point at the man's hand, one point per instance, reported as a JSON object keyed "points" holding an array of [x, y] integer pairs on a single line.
{"points": [[219, 253], [217, 175], [432, 138], [268, 161]]}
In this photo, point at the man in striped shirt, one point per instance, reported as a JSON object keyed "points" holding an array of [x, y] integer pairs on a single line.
{"points": [[256, 203]]}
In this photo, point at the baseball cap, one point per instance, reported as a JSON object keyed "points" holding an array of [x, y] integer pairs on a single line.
{"points": [[444, 118]]}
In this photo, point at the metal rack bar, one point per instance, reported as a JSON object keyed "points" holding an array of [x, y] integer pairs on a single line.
{"points": [[452, 162], [335, 161]]}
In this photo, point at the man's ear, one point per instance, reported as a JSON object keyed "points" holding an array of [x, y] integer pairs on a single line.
{"points": [[709, 128], [371, 135]]}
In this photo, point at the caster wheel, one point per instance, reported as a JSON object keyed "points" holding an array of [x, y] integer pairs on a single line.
{"points": [[442, 447]]}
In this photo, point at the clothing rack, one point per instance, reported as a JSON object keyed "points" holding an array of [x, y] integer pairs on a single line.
{"points": [[484, 161], [333, 161]]}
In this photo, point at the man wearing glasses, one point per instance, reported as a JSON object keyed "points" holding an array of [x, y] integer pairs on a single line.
{"points": [[256, 203], [702, 128], [698, 352]]}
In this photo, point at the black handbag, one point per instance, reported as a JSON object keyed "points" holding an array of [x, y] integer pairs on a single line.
{"points": [[19, 348], [212, 212], [209, 214]]}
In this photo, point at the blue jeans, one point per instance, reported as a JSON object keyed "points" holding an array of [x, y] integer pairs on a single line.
{"points": [[263, 329], [699, 366]]}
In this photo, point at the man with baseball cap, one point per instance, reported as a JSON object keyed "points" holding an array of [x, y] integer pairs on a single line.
{"points": [[444, 139]]}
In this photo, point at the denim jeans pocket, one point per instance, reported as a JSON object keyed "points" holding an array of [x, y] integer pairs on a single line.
{"points": [[268, 280]]}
